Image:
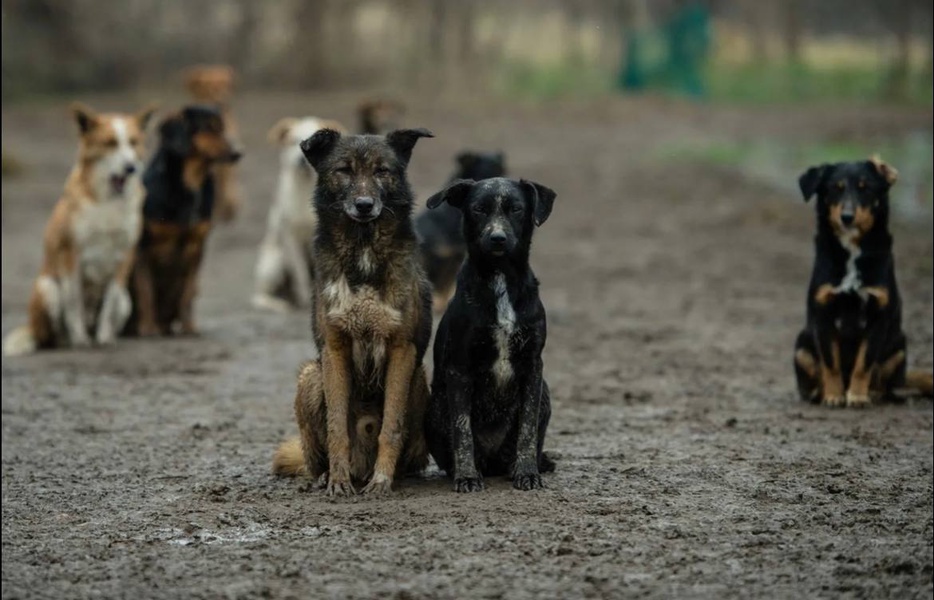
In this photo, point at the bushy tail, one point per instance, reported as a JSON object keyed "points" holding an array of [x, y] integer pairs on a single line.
{"points": [[288, 460], [19, 341], [922, 381]]}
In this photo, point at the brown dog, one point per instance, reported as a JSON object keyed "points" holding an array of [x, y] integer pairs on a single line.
{"points": [[213, 84], [380, 116]]}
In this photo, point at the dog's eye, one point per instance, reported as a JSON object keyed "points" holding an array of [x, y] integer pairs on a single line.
{"points": [[516, 208], [479, 209], [111, 143], [382, 171], [345, 170], [134, 141]]}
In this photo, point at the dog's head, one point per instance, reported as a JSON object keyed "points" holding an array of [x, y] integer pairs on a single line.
{"points": [[851, 196], [212, 84], [289, 132], [112, 146], [198, 132], [363, 175], [380, 116], [499, 214], [480, 165]]}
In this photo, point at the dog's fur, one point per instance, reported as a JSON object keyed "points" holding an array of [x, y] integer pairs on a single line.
{"points": [[852, 350], [360, 405], [439, 231], [213, 85], [380, 116], [285, 269], [81, 292], [490, 405], [177, 213]]}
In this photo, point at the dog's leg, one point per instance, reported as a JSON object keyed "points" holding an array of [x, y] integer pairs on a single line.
{"points": [[460, 407], [336, 363], [831, 375], [311, 416], [193, 254], [857, 395], [399, 370], [525, 474], [416, 448], [270, 272], [145, 294], [117, 306], [73, 305], [807, 369]]}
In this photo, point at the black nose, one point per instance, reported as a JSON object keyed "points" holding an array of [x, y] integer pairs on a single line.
{"points": [[236, 155], [498, 238], [364, 205], [129, 169], [846, 219]]}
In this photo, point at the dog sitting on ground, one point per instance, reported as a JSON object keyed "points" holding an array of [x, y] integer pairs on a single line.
{"points": [[490, 404], [439, 231], [284, 268], [360, 404], [378, 117], [853, 350], [177, 212], [213, 85], [81, 292]]}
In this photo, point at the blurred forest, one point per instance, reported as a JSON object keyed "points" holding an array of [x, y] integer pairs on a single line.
{"points": [[788, 50]]}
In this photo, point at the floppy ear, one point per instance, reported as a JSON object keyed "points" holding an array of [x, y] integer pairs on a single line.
{"points": [[145, 115], [318, 146], [810, 180], [542, 198], [889, 173], [454, 194], [403, 140], [85, 116], [174, 135], [278, 133]]}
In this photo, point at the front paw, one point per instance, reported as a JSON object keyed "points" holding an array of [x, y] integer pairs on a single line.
{"points": [[340, 487], [468, 484], [105, 335], [527, 481], [833, 400], [147, 330], [80, 341], [855, 400], [379, 485]]}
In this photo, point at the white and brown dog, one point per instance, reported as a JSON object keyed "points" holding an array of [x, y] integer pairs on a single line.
{"points": [[81, 293], [284, 269]]}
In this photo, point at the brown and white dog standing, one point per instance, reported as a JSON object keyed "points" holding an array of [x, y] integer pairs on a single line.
{"points": [[213, 84], [81, 292]]}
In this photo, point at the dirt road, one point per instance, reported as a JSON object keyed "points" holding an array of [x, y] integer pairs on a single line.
{"points": [[687, 465]]}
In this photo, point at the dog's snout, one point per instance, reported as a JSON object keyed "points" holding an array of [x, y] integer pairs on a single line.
{"points": [[236, 155], [846, 218], [498, 238], [364, 205]]}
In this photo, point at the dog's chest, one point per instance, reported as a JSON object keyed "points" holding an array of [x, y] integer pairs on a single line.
{"points": [[503, 331], [360, 312], [852, 279], [104, 233]]}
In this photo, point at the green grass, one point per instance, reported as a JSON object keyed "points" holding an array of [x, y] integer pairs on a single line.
{"points": [[544, 82]]}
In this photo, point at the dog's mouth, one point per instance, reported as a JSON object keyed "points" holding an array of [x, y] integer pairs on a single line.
{"points": [[368, 218], [118, 184]]}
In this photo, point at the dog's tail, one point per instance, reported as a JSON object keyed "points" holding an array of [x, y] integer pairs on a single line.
{"points": [[289, 460], [920, 381], [19, 341]]}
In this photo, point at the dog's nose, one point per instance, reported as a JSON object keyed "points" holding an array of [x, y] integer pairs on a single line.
{"points": [[847, 218], [236, 155], [129, 169], [498, 238], [364, 205]]}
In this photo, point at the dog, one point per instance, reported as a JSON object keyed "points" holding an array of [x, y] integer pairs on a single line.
{"points": [[380, 116], [81, 292], [490, 404], [284, 267], [853, 350], [177, 213], [360, 405], [213, 85], [439, 231]]}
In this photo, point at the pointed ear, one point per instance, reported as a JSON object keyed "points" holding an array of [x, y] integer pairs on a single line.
{"points": [[145, 115], [85, 116], [173, 133], [319, 146], [542, 199], [889, 173], [454, 194], [810, 180], [280, 131], [403, 140]]}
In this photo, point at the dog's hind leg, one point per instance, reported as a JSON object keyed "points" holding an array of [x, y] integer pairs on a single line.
{"points": [[336, 365], [806, 367], [545, 463], [311, 416], [415, 457]]}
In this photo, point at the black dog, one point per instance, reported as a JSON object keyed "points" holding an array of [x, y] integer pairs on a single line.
{"points": [[440, 238], [853, 348], [490, 405], [177, 219]]}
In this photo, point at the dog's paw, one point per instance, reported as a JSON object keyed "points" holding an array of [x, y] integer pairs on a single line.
{"points": [[527, 481], [379, 485], [468, 484], [321, 483], [340, 487], [147, 330], [857, 400], [80, 341], [833, 400]]}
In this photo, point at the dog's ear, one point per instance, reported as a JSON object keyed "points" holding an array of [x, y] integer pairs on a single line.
{"points": [[318, 146], [887, 172], [810, 181], [145, 115], [454, 194], [542, 199], [403, 140], [173, 133], [85, 116], [280, 131]]}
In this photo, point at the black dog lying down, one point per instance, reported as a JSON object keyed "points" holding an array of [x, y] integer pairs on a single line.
{"points": [[490, 405], [439, 231]]}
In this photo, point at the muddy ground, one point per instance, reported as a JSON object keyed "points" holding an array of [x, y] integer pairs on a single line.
{"points": [[688, 467]]}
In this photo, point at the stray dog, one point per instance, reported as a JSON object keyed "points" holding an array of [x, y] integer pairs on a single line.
{"points": [[176, 220], [853, 349], [360, 404], [439, 231], [490, 405], [284, 268], [213, 84], [378, 117], [81, 292]]}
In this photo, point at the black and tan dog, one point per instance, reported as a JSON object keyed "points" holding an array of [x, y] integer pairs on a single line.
{"points": [[439, 231], [177, 211], [360, 405], [490, 405], [853, 348]]}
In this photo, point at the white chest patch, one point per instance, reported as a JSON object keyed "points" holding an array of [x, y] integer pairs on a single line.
{"points": [[851, 281], [104, 234], [505, 326]]}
